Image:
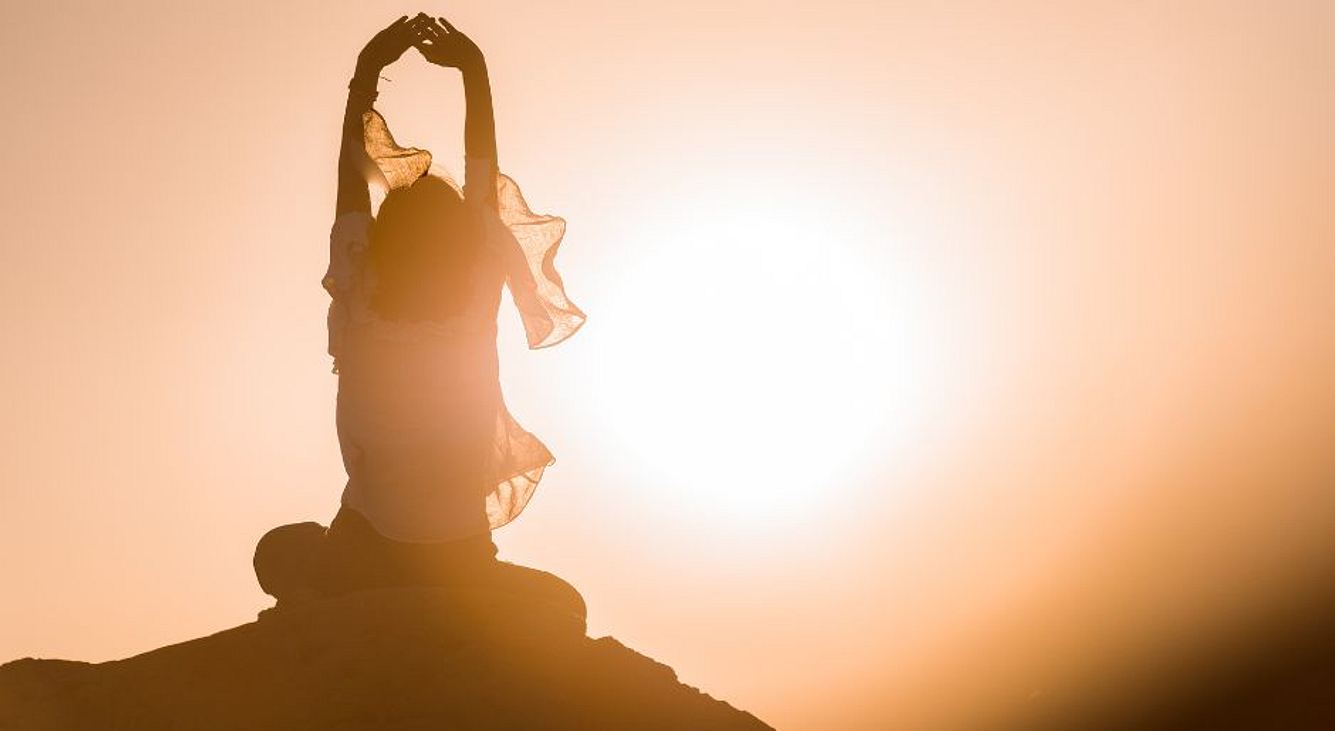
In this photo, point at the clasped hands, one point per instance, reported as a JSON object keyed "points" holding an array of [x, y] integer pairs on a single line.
{"points": [[439, 43]]}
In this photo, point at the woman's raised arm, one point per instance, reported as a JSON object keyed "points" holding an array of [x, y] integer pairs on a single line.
{"points": [[443, 45], [385, 48]]}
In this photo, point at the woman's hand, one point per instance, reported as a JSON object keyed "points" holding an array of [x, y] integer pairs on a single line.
{"points": [[389, 44], [443, 45]]}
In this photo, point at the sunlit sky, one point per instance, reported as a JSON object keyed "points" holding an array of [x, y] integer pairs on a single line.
{"points": [[925, 339]]}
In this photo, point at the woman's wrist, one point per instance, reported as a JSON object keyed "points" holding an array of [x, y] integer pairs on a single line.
{"points": [[475, 69], [366, 75], [363, 87]]}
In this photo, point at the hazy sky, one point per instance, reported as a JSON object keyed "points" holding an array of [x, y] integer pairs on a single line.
{"points": [[927, 341]]}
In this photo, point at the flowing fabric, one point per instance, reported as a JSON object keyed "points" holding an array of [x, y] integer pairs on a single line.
{"points": [[431, 451]]}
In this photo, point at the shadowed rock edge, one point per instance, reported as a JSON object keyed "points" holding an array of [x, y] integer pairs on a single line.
{"points": [[395, 658]]}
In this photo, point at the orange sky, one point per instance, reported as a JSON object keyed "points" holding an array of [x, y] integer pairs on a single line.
{"points": [[925, 338]]}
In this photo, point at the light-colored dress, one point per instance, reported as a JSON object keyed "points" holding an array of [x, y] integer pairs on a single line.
{"points": [[431, 452]]}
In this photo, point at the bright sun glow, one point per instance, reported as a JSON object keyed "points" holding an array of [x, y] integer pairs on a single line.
{"points": [[759, 367]]}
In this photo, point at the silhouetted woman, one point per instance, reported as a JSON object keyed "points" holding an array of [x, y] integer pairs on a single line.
{"points": [[434, 459]]}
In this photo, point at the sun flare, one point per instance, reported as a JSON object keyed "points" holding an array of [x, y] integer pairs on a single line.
{"points": [[761, 363]]}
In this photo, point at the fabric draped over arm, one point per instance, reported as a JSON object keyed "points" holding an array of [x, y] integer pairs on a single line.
{"points": [[539, 294], [396, 166]]}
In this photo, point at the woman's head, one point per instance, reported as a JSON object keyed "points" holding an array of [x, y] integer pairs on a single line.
{"points": [[422, 250]]}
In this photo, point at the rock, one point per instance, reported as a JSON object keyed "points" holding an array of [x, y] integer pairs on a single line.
{"points": [[408, 658]]}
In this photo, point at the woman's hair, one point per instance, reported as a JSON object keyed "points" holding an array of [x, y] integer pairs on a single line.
{"points": [[423, 245]]}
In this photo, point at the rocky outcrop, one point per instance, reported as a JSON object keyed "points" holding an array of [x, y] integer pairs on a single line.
{"points": [[410, 658]]}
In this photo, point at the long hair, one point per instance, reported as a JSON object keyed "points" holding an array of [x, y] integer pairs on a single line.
{"points": [[423, 246]]}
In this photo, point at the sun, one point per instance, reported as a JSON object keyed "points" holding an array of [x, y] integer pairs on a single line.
{"points": [[759, 363]]}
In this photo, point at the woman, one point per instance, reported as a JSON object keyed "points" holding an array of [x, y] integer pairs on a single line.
{"points": [[434, 459]]}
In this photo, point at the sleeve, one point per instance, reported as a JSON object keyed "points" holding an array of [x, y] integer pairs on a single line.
{"points": [[343, 279], [527, 243], [394, 166]]}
